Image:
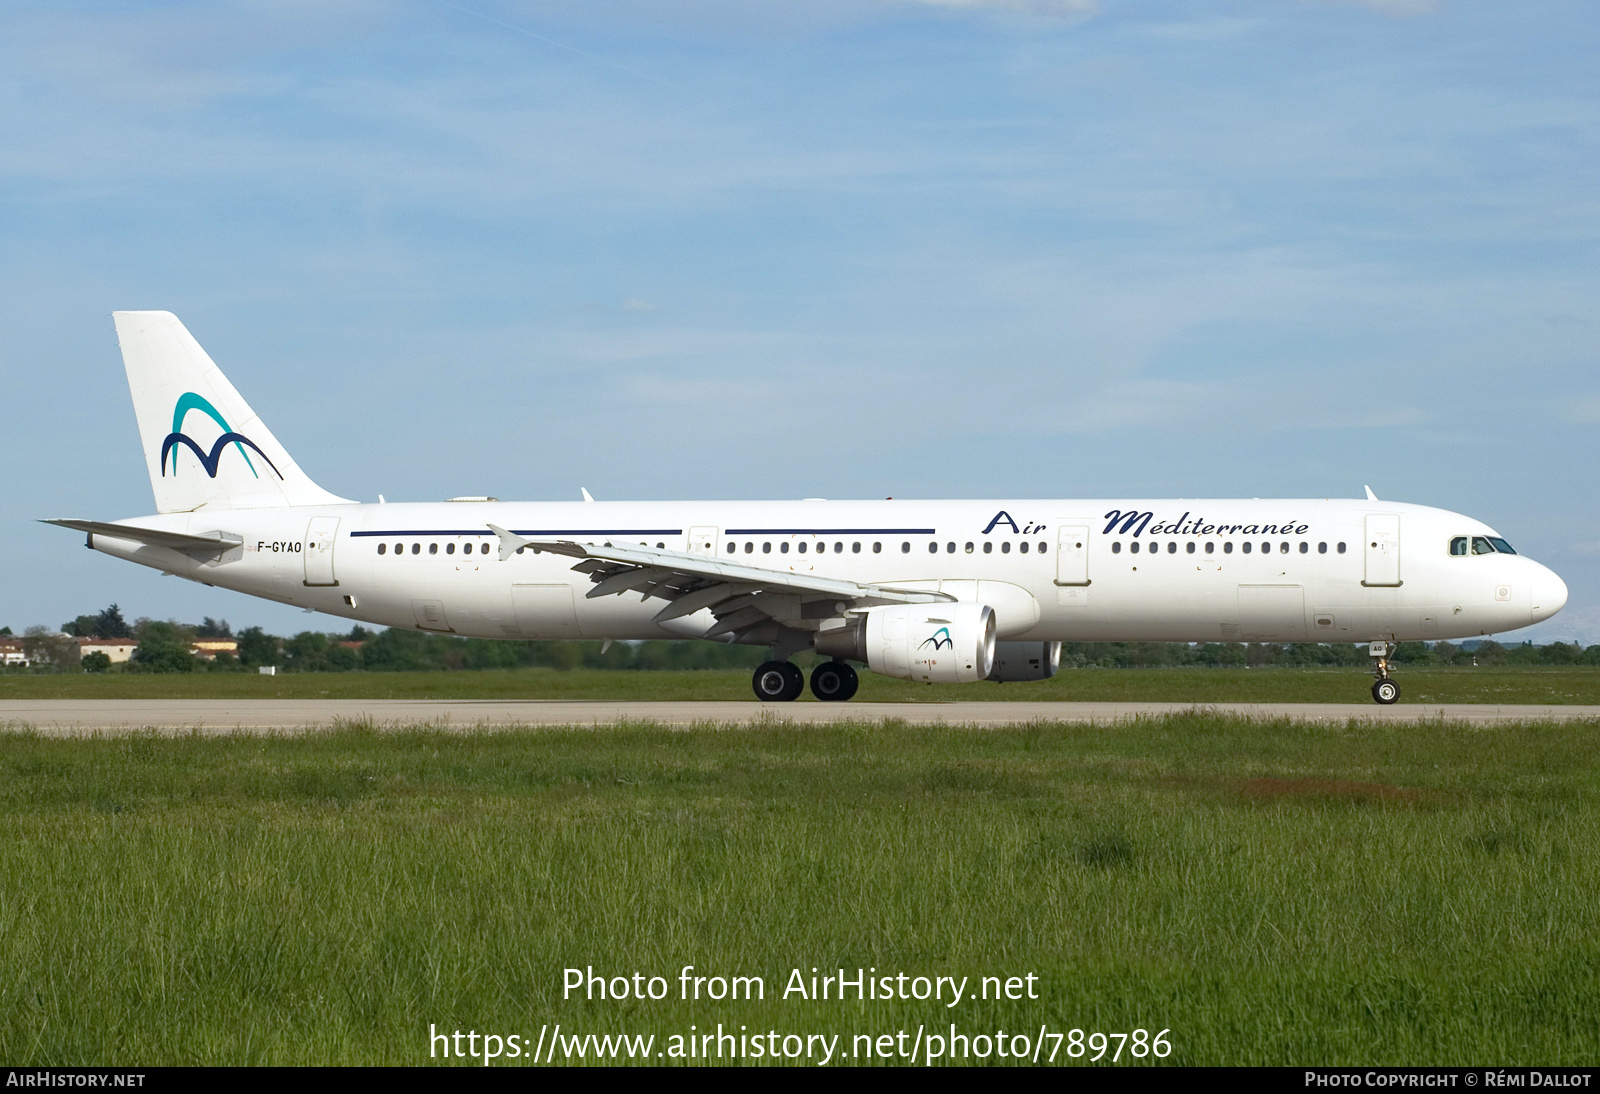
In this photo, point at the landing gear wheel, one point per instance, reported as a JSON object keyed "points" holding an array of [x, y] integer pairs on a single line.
{"points": [[1386, 692], [778, 682], [834, 682]]}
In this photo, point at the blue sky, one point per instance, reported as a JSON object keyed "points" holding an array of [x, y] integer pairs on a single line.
{"points": [[839, 248]]}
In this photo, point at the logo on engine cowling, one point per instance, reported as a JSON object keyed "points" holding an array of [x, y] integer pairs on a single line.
{"points": [[937, 642]]}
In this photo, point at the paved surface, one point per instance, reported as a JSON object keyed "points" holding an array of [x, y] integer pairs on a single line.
{"points": [[75, 717]]}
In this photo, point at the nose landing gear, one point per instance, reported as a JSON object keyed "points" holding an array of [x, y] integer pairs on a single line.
{"points": [[1385, 690]]}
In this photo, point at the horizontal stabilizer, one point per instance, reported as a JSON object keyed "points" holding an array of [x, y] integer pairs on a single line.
{"points": [[207, 543]]}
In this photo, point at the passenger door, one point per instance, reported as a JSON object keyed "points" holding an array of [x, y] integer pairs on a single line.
{"points": [[1382, 549], [321, 535]]}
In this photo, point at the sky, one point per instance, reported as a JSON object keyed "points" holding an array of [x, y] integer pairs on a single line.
{"points": [[810, 248]]}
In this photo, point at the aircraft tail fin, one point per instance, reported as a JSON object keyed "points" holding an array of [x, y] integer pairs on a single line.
{"points": [[203, 445]]}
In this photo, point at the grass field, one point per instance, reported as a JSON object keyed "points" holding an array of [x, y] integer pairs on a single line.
{"points": [[1188, 685], [1270, 892]]}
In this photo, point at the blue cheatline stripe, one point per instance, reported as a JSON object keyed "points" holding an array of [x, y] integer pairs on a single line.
{"points": [[830, 531], [525, 532]]}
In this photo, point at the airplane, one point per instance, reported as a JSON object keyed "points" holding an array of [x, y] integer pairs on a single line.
{"points": [[936, 591]]}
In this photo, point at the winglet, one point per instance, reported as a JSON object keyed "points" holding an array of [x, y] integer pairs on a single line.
{"points": [[510, 542], [586, 495], [1370, 495]]}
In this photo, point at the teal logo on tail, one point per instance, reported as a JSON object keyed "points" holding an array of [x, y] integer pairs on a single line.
{"points": [[190, 401]]}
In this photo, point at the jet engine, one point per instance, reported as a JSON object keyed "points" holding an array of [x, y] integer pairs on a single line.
{"points": [[1017, 661], [949, 643]]}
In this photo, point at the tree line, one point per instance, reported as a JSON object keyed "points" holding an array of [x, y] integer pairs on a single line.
{"points": [[165, 646]]}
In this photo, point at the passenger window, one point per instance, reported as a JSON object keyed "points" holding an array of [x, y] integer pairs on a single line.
{"points": [[1116, 546], [1043, 547], [1005, 547], [988, 546], [416, 548], [1023, 546], [1134, 547], [1190, 548], [905, 548], [450, 549], [876, 547], [731, 548], [1322, 548], [1172, 548], [1266, 548], [382, 547], [1305, 548], [399, 548], [855, 548], [1341, 548], [766, 548], [749, 548], [1283, 548], [950, 548], [969, 548], [433, 548], [1246, 547], [483, 548], [801, 547], [783, 548], [1227, 548]]}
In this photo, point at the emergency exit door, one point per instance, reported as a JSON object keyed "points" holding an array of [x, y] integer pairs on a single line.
{"points": [[1072, 554]]}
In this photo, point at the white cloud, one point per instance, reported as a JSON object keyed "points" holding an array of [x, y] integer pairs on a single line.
{"points": [[1582, 408], [1399, 8], [1070, 9]]}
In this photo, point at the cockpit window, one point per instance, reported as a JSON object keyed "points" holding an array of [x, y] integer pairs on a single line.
{"points": [[1480, 545]]}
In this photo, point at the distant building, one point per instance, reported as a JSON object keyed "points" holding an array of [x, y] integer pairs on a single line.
{"points": [[117, 649], [207, 648]]}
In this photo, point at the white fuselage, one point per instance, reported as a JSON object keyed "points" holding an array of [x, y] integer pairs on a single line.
{"points": [[1110, 570]]}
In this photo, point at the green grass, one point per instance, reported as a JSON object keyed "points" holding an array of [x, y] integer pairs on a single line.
{"points": [[1271, 892], [1188, 685]]}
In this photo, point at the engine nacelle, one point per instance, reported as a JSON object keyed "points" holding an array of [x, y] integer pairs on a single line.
{"points": [[949, 643], [1018, 661]]}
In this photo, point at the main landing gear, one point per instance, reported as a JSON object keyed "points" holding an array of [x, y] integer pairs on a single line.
{"points": [[782, 682], [834, 682], [1385, 690]]}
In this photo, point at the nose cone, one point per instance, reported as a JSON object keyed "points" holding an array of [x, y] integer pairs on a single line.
{"points": [[1549, 594]]}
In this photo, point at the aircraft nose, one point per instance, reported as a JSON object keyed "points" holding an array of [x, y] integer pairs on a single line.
{"points": [[1549, 594]]}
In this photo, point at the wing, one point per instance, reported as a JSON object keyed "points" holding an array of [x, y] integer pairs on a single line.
{"points": [[751, 603]]}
